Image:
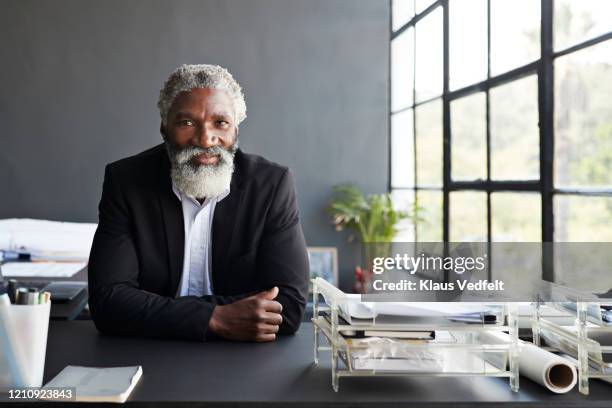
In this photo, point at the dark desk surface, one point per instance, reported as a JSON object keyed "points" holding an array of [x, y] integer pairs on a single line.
{"points": [[231, 373]]}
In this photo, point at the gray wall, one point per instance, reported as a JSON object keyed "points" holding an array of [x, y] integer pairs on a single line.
{"points": [[79, 82]]}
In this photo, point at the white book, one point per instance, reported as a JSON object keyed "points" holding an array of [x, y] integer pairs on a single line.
{"points": [[98, 384]]}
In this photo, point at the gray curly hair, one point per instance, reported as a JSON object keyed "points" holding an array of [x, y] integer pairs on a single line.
{"points": [[186, 77]]}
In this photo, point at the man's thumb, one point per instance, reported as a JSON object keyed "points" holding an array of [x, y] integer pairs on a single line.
{"points": [[270, 294]]}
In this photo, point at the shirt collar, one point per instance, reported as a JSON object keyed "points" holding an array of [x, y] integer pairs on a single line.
{"points": [[180, 195]]}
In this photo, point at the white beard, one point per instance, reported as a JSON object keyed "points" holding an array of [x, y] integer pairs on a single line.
{"points": [[199, 180]]}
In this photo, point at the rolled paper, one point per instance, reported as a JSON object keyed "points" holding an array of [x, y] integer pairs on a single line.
{"points": [[543, 367]]}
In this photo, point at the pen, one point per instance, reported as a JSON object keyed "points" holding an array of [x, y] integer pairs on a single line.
{"points": [[12, 289], [22, 296]]}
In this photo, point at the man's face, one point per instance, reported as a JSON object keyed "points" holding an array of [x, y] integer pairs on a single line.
{"points": [[202, 117], [200, 136]]}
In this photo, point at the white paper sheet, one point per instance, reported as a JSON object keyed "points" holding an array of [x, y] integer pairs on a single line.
{"points": [[42, 269], [47, 240]]}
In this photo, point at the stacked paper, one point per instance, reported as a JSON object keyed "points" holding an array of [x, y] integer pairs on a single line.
{"points": [[47, 240]]}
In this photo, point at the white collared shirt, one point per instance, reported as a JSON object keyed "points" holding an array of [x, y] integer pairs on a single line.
{"points": [[197, 258]]}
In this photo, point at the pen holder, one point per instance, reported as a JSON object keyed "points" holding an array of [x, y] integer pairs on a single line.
{"points": [[23, 344]]}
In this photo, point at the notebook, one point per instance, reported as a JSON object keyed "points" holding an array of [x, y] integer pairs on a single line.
{"points": [[98, 384]]}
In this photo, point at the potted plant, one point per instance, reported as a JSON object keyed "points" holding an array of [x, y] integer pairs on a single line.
{"points": [[371, 218]]}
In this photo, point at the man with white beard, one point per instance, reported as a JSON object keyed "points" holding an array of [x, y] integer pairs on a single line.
{"points": [[196, 238]]}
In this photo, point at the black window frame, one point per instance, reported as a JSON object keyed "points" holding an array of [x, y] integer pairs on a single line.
{"points": [[543, 68]]}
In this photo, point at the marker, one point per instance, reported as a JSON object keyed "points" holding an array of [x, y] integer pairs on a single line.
{"points": [[12, 289], [43, 298], [22, 296]]}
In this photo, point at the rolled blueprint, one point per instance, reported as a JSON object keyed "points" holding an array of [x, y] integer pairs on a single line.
{"points": [[541, 366]]}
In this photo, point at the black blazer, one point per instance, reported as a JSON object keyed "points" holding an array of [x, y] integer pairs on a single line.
{"points": [[136, 259]]}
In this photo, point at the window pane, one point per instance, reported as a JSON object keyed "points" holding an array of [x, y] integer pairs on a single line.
{"points": [[468, 216], [404, 200], [429, 55], [402, 70], [469, 138], [421, 5], [402, 12], [515, 217], [515, 34], [429, 228], [583, 219], [577, 21], [429, 144], [583, 117], [402, 149], [468, 42], [515, 141]]}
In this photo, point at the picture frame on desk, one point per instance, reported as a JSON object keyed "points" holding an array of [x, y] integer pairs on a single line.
{"points": [[323, 264]]}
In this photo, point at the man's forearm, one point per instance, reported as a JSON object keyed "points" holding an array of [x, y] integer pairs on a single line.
{"points": [[125, 310]]}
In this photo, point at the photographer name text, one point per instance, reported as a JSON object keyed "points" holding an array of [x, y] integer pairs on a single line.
{"points": [[430, 285]]}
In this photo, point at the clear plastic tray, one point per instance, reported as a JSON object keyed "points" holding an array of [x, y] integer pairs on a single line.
{"points": [[354, 333]]}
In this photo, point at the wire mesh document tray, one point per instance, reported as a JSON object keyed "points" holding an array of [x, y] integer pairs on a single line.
{"points": [[588, 342], [413, 339]]}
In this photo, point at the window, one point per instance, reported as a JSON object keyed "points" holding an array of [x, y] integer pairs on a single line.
{"points": [[429, 144], [469, 142], [402, 156], [515, 141], [515, 34], [403, 11], [501, 129], [402, 70], [578, 21], [467, 25], [429, 53], [583, 125], [468, 214]]}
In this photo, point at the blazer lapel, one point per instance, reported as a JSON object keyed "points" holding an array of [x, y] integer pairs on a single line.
{"points": [[224, 223], [172, 214]]}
